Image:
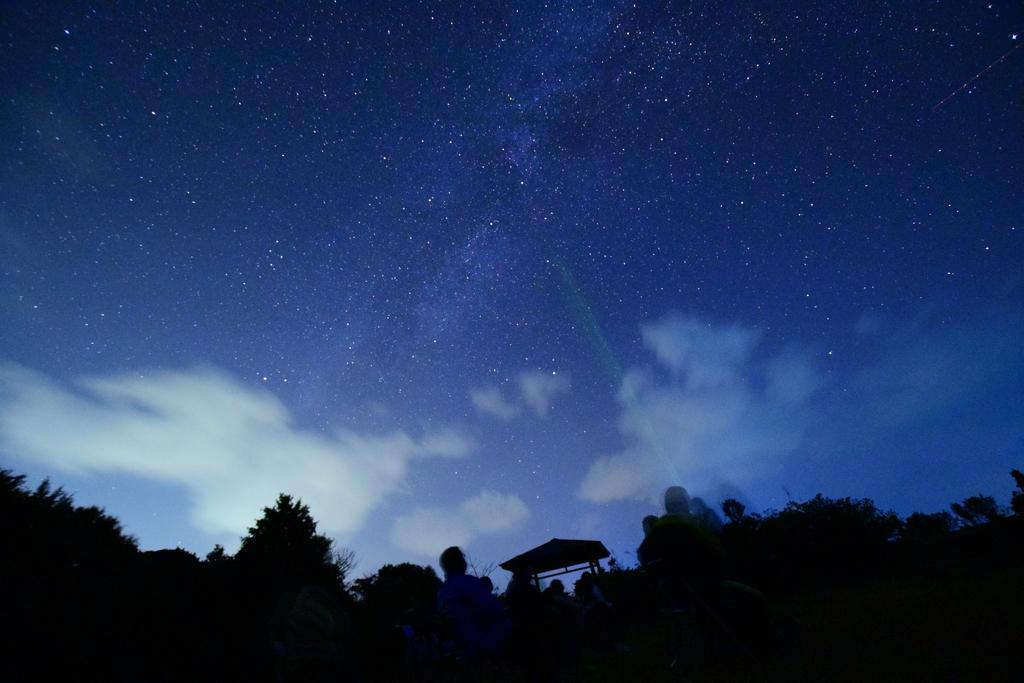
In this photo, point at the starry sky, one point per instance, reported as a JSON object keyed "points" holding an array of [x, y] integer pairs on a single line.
{"points": [[487, 275]]}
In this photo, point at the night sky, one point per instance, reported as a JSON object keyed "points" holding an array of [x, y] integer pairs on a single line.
{"points": [[491, 275]]}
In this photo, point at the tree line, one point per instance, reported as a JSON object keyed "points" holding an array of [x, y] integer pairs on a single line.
{"points": [[81, 599]]}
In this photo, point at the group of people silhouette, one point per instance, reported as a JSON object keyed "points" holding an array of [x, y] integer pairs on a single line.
{"points": [[543, 632], [540, 630], [547, 629]]}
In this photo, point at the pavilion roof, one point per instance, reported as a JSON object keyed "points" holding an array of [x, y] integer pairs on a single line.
{"points": [[558, 553]]}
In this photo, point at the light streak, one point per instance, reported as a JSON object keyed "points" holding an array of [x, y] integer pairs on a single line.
{"points": [[585, 317], [976, 76]]}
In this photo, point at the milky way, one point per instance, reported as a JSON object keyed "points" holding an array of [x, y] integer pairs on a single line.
{"points": [[533, 263]]}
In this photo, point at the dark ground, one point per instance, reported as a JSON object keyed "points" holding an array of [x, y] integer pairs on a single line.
{"points": [[964, 628]]}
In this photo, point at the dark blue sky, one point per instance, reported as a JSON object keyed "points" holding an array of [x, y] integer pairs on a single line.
{"points": [[492, 275]]}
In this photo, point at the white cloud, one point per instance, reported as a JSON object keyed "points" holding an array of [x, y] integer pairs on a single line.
{"points": [[233, 446], [447, 443], [489, 400], [537, 390], [540, 388], [716, 412], [704, 354], [721, 417], [427, 531], [626, 474]]}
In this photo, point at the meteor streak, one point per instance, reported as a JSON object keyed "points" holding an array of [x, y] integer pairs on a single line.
{"points": [[976, 76]]}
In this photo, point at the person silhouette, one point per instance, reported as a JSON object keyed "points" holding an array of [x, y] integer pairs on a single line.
{"points": [[527, 643], [678, 544], [595, 611], [679, 503], [476, 618]]}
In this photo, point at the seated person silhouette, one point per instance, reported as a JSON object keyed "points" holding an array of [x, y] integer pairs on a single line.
{"points": [[681, 550], [595, 611], [679, 547], [558, 602]]}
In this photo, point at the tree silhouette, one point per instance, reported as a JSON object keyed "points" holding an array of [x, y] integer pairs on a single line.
{"points": [[826, 539], [285, 548], [218, 554], [45, 529], [1017, 499], [976, 510], [63, 571], [345, 561], [733, 510]]}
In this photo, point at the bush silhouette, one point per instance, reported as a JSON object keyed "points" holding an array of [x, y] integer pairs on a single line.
{"points": [[921, 527], [397, 592], [821, 540]]}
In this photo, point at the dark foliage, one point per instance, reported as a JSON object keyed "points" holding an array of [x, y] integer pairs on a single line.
{"points": [[921, 527], [822, 540], [84, 599], [1017, 498], [89, 604], [733, 510], [826, 541], [61, 576], [977, 510], [398, 592], [218, 554], [397, 614], [52, 533], [285, 550]]}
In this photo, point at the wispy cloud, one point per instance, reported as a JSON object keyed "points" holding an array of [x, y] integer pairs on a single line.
{"points": [[490, 401], [703, 354], [429, 530], [539, 389], [716, 412], [233, 446], [717, 416]]}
